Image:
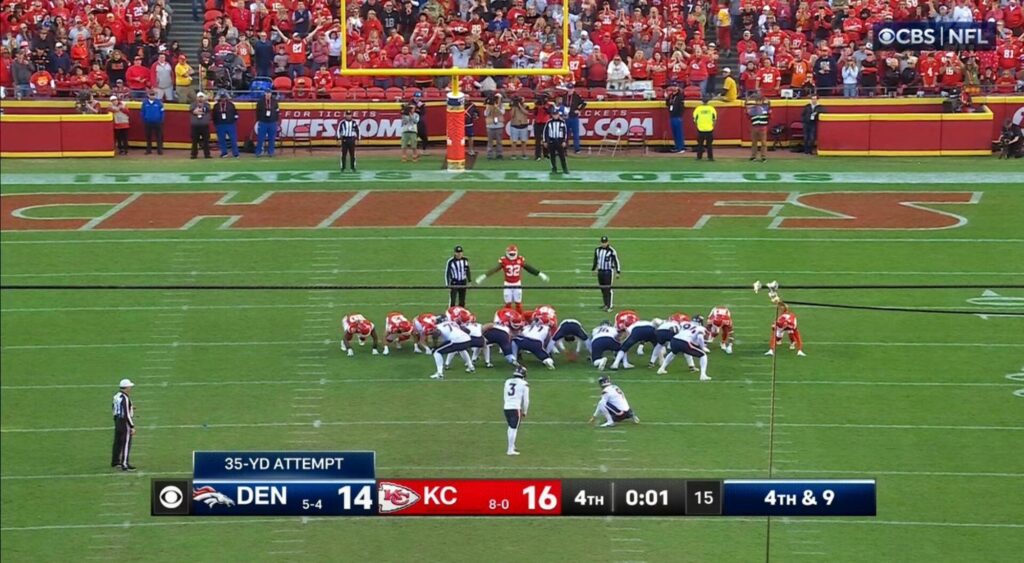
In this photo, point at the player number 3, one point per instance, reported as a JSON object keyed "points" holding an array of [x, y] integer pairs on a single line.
{"points": [[546, 500]]}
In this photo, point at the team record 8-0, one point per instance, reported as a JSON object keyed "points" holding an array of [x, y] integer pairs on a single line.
{"points": [[346, 484]]}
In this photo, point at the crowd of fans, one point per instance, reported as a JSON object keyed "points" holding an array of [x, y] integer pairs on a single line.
{"points": [[121, 47]]}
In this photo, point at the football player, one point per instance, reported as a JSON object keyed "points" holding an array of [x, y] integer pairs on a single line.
{"points": [[425, 325], [535, 339], [458, 314], [637, 332], [720, 322], [359, 326], [664, 332], [397, 329], [512, 265], [454, 340], [613, 405], [509, 317], [476, 339], [690, 342], [786, 324], [515, 394], [604, 338], [569, 330]]}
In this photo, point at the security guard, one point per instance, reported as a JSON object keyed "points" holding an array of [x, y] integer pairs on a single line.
{"points": [[348, 132], [606, 260], [456, 277], [124, 426], [555, 136], [704, 117]]}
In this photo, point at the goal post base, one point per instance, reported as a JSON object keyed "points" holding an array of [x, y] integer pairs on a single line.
{"points": [[455, 119]]}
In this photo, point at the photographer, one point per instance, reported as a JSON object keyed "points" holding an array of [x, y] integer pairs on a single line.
{"points": [[472, 114], [520, 132], [494, 117], [410, 122], [542, 108]]}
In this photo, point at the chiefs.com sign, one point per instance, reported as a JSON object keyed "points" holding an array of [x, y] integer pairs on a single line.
{"points": [[386, 125]]}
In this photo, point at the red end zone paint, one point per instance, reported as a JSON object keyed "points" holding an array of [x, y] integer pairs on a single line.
{"points": [[13, 205], [691, 210], [510, 209], [527, 209]]}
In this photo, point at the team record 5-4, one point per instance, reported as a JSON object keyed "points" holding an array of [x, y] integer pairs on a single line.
{"points": [[346, 484]]}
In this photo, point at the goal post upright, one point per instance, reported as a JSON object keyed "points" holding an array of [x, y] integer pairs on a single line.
{"points": [[455, 100]]}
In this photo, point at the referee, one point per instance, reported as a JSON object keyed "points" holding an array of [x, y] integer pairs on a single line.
{"points": [[124, 426], [348, 132], [555, 136], [606, 260], [456, 277]]}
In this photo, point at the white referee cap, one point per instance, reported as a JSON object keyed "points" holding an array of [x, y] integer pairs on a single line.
{"points": [[125, 383]]}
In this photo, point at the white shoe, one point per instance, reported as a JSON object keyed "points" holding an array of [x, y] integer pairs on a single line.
{"points": [[488, 365], [375, 352], [792, 345], [662, 372], [693, 368], [437, 376], [512, 452], [705, 378], [728, 349], [387, 351], [416, 349], [770, 353], [640, 350], [351, 352], [627, 366], [800, 353], [607, 424], [447, 367], [602, 363], [362, 342], [636, 419], [343, 348], [470, 370]]}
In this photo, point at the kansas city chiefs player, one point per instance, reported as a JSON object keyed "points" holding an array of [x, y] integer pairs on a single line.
{"points": [[512, 265], [786, 324], [425, 325], [397, 329], [720, 322], [357, 325]]}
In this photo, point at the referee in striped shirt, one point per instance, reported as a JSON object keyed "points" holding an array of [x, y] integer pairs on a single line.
{"points": [[606, 261], [348, 132], [456, 277], [555, 136], [124, 426]]}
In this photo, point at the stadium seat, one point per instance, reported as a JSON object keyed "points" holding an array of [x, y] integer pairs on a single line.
{"points": [[432, 93], [357, 93], [394, 93], [343, 81], [338, 93], [410, 91], [692, 93], [612, 138], [283, 84], [583, 92], [796, 131], [637, 135], [598, 93], [375, 94], [301, 136]]}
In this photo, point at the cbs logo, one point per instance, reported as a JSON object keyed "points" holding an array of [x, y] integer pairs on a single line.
{"points": [[170, 497]]}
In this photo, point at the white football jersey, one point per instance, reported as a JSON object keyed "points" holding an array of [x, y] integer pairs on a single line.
{"points": [[537, 331], [614, 398], [474, 329], [516, 394], [669, 325], [602, 331], [450, 332], [692, 333], [638, 324]]}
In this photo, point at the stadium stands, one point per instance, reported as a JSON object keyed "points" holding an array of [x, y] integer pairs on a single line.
{"points": [[776, 46]]}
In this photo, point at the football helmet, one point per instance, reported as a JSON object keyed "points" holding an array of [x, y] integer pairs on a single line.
{"points": [[512, 252], [604, 381]]}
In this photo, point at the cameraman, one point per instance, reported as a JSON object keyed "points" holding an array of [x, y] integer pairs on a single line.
{"points": [[520, 131], [1011, 141], [494, 117]]}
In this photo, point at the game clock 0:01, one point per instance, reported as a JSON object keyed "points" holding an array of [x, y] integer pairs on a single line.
{"points": [[650, 497]]}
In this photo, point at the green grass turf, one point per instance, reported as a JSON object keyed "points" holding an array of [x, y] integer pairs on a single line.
{"points": [[920, 402]]}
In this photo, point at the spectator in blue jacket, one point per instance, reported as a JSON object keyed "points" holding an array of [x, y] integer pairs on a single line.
{"points": [[225, 117], [263, 55], [153, 119], [60, 60]]}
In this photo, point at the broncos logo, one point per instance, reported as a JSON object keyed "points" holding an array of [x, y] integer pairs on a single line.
{"points": [[211, 497]]}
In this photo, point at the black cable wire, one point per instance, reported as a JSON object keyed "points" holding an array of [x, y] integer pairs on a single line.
{"points": [[362, 287], [908, 309]]}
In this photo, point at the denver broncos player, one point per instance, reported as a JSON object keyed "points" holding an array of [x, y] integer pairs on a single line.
{"points": [[397, 329], [512, 265], [604, 338], [454, 340], [357, 325], [690, 342], [786, 324], [637, 332], [720, 322], [535, 339]]}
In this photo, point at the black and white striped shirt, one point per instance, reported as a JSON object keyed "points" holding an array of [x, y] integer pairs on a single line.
{"points": [[123, 409], [456, 271], [605, 259], [554, 131], [348, 129]]}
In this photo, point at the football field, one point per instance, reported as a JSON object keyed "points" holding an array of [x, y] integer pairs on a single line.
{"points": [[218, 287]]}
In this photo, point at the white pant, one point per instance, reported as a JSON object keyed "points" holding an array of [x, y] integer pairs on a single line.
{"points": [[513, 294]]}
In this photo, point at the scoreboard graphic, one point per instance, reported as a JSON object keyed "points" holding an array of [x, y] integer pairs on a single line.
{"points": [[346, 484]]}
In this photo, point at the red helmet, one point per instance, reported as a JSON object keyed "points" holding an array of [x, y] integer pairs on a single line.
{"points": [[459, 315], [625, 319], [364, 328], [404, 327], [515, 322], [472, 318], [680, 317], [512, 252]]}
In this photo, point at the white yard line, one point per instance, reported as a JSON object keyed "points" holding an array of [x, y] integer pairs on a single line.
{"points": [[438, 211]]}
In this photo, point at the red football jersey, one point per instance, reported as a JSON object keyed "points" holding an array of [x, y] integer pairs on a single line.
{"points": [[512, 268], [357, 324], [509, 317], [426, 320], [397, 323], [786, 321], [720, 316]]}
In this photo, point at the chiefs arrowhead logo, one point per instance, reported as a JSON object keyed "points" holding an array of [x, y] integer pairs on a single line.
{"points": [[394, 497]]}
